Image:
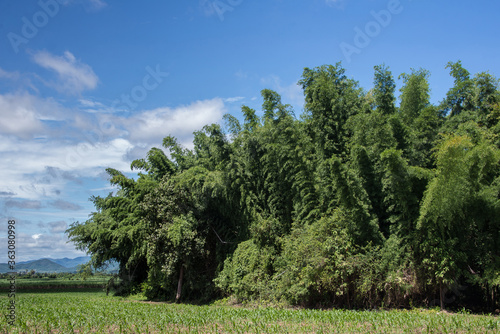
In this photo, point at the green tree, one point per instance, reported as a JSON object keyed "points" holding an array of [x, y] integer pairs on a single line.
{"points": [[455, 223], [312, 269], [331, 98], [487, 96], [461, 96], [384, 90], [414, 94], [362, 224], [402, 191], [176, 246], [116, 231]]}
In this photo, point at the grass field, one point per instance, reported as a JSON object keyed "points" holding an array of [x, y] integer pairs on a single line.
{"points": [[94, 312]]}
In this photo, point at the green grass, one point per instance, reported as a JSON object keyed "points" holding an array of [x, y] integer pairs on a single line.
{"points": [[98, 313]]}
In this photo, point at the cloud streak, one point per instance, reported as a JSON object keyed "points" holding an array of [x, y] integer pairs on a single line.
{"points": [[74, 77], [9, 75], [58, 227], [33, 205], [65, 206]]}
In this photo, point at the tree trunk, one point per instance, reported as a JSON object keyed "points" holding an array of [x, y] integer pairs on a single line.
{"points": [[179, 285], [441, 294]]}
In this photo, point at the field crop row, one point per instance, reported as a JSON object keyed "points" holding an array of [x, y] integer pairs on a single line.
{"points": [[98, 313]]}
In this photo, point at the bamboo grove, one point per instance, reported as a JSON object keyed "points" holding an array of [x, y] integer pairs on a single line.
{"points": [[367, 199]]}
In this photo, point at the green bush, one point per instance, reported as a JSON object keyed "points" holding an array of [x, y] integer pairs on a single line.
{"points": [[312, 266], [247, 273]]}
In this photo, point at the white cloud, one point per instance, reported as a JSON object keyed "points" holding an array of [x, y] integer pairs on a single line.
{"points": [[22, 115], [9, 75], [36, 246], [38, 158], [19, 116], [152, 126], [90, 104], [234, 99], [25, 168], [74, 76], [93, 107]]}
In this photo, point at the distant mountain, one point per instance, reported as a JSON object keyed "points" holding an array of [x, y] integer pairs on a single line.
{"points": [[65, 262], [41, 266], [48, 265], [70, 263]]}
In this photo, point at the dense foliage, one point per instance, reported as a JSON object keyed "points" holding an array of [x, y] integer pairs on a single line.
{"points": [[360, 202]]}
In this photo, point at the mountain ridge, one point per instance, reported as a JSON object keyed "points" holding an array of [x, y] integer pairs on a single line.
{"points": [[49, 265]]}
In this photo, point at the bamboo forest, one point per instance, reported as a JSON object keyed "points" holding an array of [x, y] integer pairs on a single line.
{"points": [[368, 197]]}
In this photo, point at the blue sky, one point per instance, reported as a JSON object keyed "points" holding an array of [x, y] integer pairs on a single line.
{"points": [[91, 84]]}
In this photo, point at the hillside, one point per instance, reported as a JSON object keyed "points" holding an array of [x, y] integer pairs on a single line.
{"points": [[42, 265], [70, 263], [48, 265]]}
